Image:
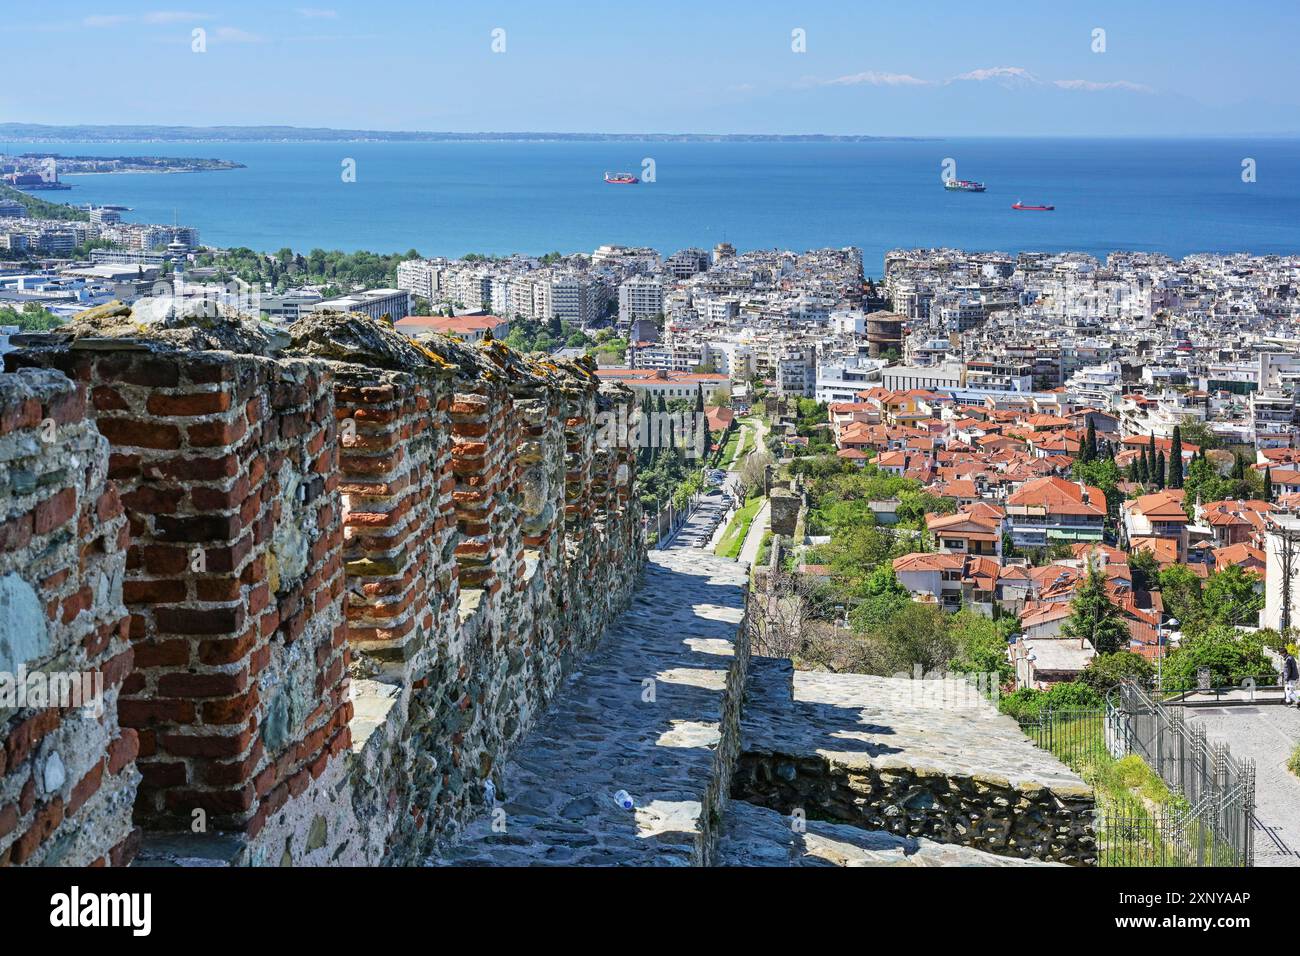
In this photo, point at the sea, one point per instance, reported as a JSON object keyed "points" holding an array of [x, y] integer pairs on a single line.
{"points": [[1176, 196]]}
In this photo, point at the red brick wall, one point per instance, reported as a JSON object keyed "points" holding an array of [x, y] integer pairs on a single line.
{"points": [[396, 487], [227, 468], [433, 522]]}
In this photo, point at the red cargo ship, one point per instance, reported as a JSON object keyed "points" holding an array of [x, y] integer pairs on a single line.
{"points": [[1029, 208]]}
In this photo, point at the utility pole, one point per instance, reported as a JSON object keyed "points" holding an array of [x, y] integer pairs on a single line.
{"points": [[1288, 574]]}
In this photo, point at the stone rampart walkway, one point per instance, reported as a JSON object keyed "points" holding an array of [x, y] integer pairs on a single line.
{"points": [[642, 714]]}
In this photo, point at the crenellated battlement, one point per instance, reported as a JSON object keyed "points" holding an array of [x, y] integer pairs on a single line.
{"points": [[351, 571]]}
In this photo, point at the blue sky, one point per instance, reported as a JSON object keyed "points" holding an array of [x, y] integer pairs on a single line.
{"points": [[910, 68]]}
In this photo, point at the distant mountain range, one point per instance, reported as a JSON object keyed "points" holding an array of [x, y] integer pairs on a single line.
{"points": [[38, 132]]}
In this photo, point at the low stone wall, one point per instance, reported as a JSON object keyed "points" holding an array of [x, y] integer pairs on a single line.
{"points": [[981, 811], [893, 754], [727, 753]]}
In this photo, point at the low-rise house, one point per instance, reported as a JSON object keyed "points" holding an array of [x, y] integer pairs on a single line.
{"points": [[950, 581], [965, 533], [1051, 510], [471, 328], [1041, 662], [1158, 516], [1244, 556], [1286, 481], [1234, 522]]}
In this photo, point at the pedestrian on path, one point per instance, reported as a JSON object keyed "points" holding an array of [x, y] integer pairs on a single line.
{"points": [[1290, 674]]}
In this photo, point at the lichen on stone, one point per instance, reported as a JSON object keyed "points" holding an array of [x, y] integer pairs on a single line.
{"points": [[181, 326]]}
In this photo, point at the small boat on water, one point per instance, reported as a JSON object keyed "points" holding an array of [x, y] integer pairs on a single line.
{"points": [[1026, 207], [964, 186], [621, 179]]}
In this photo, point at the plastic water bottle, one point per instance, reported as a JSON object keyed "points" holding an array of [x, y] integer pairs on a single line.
{"points": [[624, 800]]}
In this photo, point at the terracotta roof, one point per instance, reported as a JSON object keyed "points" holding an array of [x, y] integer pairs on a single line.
{"points": [[454, 324], [1034, 614], [929, 561], [1165, 550], [720, 417], [1164, 506], [1059, 496], [957, 522], [1084, 549], [1242, 554]]}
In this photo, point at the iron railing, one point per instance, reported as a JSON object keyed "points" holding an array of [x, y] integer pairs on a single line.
{"points": [[1209, 819]]}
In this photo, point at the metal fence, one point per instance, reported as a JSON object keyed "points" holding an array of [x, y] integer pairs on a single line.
{"points": [[1219, 789], [1076, 736], [1209, 819]]}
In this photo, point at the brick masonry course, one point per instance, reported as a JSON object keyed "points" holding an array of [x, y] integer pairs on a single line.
{"points": [[350, 572]]}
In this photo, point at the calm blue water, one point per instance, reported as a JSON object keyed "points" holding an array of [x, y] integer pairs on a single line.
{"points": [[1173, 196]]}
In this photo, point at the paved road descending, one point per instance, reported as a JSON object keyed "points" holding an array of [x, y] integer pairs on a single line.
{"points": [[1266, 734]]}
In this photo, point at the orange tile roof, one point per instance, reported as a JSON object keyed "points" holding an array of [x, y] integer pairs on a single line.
{"points": [[1166, 506], [454, 324], [1242, 554], [1165, 550], [1059, 496], [929, 561]]}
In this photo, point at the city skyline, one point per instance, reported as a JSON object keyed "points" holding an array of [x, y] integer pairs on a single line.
{"points": [[512, 67]]}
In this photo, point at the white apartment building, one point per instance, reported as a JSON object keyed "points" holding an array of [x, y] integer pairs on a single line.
{"points": [[684, 264], [674, 358], [469, 288], [420, 277], [502, 300], [1276, 586], [999, 376], [905, 378], [842, 379], [640, 297], [848, 322], [573, 300], [1097, 386], [376, 303]]}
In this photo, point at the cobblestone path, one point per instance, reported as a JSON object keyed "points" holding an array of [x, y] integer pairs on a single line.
{"points": [[602, 735]]}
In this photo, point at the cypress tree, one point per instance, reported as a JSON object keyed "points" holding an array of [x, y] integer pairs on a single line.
{"points": [[1094, 618], [1176, 459], [651, 451], [1090, 443], [1268, 484], [1160, 471]]}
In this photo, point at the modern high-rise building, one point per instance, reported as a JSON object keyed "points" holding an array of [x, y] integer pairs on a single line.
{"points": [[640, 297], [573, 299]]}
